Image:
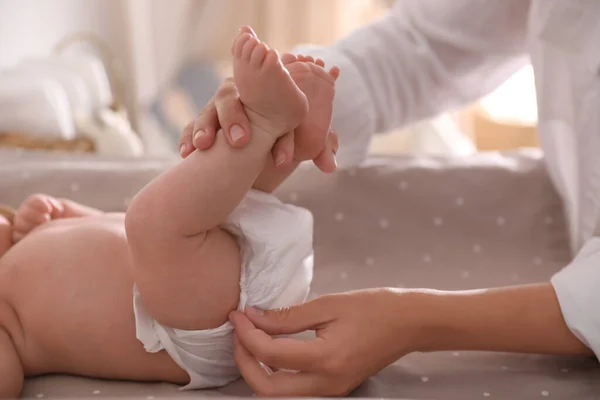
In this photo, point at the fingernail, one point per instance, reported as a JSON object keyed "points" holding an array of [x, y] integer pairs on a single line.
{"points": [[280, 159], [255, 312], [236, 132], [198, 134], [182, 149]]}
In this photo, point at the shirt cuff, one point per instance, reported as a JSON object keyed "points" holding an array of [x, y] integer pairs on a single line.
{"points": [[578, 292], [353, 114]]}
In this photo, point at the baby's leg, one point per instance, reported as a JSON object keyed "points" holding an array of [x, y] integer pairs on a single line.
{"points": [[185, 267], [38, 209]]}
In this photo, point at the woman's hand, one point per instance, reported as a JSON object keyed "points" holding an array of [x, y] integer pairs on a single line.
{"points": [[225, 113], [358, 334]]}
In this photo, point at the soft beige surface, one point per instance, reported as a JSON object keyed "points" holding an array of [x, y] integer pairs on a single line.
{"points": [[489, 220]]}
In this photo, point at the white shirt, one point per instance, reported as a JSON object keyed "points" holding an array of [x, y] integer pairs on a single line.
{"points": [[428, 56]]}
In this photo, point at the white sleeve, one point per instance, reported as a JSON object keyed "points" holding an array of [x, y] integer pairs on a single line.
{"points": [[577, 289], [424, 57]]}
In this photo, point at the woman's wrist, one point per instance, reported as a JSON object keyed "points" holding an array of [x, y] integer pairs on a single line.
{"points": [[523, 319]]}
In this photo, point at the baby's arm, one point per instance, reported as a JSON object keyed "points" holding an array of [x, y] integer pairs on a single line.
{"points": [[38, 209], [72, 209]]}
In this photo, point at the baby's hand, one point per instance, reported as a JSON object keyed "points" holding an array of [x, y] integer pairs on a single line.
{"points": [[33, 212]]}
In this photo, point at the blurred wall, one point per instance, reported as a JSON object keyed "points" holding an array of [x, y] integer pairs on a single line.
{"points": [[34, 27], [153, 38]]}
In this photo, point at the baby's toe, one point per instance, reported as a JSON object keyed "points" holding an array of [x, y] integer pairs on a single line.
{"points": [[248, 29], [334, 72], [288, 58], [239, 44], [249, 47], [258, 54], [271, 59]]}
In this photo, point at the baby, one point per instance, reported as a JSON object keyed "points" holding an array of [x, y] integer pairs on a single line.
{"points": [[145, 295]]}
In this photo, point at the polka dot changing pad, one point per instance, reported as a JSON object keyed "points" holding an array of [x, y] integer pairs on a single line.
{"points": [[488, 220]]}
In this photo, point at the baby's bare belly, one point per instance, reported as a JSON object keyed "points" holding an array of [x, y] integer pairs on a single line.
{"points": [[70, 283]]}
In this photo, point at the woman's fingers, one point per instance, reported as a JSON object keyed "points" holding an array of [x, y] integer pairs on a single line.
{"points": [[231, 115], [266, 383], [311, 315], [205, 128], [186, 147], [283, 150], [326, 161], [224, 111], [254, 327], [281, 353], [357, 336]]}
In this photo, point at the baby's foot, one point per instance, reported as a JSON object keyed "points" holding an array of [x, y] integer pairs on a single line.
{"points": [[271, 99], [319, 87]]}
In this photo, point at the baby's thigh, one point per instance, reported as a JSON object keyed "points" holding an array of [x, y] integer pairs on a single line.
{"points": [[191, 286]]}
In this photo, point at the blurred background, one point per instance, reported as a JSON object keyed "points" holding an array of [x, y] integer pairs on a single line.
{"points": [[123, 77]]}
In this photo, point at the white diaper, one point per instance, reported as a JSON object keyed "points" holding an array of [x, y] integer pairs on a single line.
{"points": [[277, 253]]}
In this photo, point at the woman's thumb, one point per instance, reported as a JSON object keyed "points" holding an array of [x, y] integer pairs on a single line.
{"points": [[289, 320], [326, 161]]}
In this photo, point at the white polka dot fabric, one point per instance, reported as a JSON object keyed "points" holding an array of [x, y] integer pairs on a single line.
{"points": [[444, 223]]}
